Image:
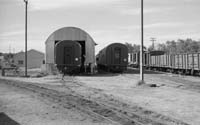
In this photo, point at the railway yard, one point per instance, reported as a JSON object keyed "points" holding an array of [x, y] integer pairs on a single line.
{"points": [[103, 99], [99, 62]]}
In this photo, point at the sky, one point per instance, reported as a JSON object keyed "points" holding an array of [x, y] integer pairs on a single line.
{"points": [[107, 21]]}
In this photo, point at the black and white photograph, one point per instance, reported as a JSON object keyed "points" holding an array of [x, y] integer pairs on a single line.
{"points": [[99, 62]]}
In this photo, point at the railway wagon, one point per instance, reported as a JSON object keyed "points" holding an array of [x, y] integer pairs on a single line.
{"points": [[178, 63], [113, 58], [134, 58], [68, 57], [186, 63], [160, 62]]}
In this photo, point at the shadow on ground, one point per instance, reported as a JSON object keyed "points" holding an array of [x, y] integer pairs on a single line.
{"points": [[6, 120], [137, 71], [111, 74]]}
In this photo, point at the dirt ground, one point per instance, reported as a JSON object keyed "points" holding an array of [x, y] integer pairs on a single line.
{"points": [[171, 98], [175, 96], [27, 108]]}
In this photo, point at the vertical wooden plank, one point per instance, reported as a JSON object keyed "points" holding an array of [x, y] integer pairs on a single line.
{"points": [[157, 61], [187, 61], [170, 56], [192, 61], [198, 60], [173, 61], [166, 60], [160, 60], [131, 57], [182, 60], [185, 65], [178, 60]]}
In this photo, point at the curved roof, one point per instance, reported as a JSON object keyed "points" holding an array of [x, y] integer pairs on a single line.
{"points": [[64, 42], [112, 45], [64, 29], [116, 44]]}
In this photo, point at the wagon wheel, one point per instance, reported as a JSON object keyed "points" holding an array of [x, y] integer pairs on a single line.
{"points": [[192, 72], [17, 71], [183, 72], [198, 73]]}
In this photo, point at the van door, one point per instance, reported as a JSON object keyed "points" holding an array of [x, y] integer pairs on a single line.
{"points": [[117, 56], [68, 55]]}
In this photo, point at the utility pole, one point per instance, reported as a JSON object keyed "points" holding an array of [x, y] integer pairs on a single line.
{"points": [[152, 39], [26, 3], [141, 46]]}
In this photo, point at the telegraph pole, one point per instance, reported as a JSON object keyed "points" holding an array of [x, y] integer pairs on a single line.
{"points": [[153, 40], [26, 3], [141, 46]]}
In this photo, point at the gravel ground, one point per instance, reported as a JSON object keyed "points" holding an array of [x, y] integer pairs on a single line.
{"points": [[176, 96], [28, 108], [173, 96]]}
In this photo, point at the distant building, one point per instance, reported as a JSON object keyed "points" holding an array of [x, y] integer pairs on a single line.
{"points": [[34, 59]]}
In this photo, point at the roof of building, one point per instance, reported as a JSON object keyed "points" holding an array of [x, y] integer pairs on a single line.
{"points": [[29, 51], [65, 29], [33, 50]]}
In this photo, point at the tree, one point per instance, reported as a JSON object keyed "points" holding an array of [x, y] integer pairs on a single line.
{"points": [[162, 47], [180, 46], [171, 47], [151, 48], [130, 47], [134, 47]]}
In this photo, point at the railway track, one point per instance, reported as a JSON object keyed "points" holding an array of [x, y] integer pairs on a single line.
{"points": [[99, 110], [175, 81], [142, 115]]}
